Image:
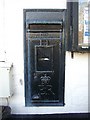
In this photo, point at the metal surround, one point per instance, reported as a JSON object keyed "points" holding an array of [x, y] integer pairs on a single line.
{"points": [[27, 76]]}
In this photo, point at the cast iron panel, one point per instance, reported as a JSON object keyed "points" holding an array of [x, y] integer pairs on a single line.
{"points": [[44, 57], [45, 72]]}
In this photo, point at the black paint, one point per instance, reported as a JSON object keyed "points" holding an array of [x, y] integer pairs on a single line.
{"points": [[44, 53]]}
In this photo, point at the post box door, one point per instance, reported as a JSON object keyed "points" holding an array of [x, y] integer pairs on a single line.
{"points": [[45, 71]]}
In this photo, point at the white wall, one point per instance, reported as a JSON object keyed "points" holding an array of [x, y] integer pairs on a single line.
{"points": [[76, 73]]}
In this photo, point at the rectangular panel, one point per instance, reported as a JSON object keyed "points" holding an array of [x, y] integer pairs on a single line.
{"points": [[45, 74], [44, 58], [84, 23]]}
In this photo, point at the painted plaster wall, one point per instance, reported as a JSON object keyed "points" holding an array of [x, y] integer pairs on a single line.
{"points": [[76, 70]]}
